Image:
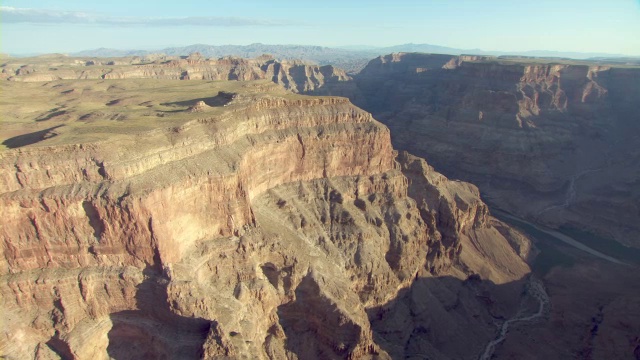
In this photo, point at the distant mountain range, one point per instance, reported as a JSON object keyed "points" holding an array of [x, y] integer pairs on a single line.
{"points": [[351, 58]]}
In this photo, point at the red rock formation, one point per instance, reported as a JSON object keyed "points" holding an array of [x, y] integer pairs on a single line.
{"points": [[271, 229]]}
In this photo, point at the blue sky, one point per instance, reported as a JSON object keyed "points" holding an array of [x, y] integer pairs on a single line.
{"points": [[40, 26]]}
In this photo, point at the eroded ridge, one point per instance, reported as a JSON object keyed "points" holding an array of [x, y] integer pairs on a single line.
{"points": [[273, 226]]}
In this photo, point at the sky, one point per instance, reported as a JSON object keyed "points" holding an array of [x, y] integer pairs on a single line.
{"points": [[63, 26]]}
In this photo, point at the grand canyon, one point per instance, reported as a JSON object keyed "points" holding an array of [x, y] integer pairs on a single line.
{"points": [[425, 207]]}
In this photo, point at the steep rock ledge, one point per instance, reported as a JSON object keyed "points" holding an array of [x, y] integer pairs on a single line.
{"points": [[296, 76], [520, 129], [277, 141], [277, 228]]}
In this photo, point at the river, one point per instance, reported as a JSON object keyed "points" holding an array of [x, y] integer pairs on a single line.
{"points": [[535, 286], [559, 236]]}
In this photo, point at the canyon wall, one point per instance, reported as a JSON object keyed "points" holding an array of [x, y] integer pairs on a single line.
{"points": [[293, 75], [553, 142], [277, 227]]}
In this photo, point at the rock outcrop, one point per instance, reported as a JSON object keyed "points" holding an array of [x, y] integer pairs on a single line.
{"points": [[293, 75], [275, 226], [553, 142]]}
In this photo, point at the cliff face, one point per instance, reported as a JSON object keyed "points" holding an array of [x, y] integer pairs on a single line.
{"points": [[292, 75], [275, 226], [553, 142]]}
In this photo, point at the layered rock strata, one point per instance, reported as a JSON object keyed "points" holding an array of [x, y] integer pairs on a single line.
{"points": [[277, 227], [553, 142], [293, 75]]}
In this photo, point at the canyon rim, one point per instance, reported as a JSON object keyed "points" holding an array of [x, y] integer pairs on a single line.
{"points": [[185, 207]]}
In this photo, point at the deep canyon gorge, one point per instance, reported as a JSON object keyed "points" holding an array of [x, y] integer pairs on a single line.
{"points": [[183, 207]]}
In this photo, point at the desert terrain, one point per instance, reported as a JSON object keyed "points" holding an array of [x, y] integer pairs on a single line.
{"points": [[186, 207]]}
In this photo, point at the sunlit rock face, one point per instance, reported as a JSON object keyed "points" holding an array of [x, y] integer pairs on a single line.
{"points": [[552, 140], [268, 225], [296, 76]]}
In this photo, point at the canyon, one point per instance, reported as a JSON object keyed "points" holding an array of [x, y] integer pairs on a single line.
{"points": [[295, 75], [552, 141], [266, 224], [235, 217]]}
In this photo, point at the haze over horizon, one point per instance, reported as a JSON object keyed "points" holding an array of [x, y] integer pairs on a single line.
{"points": [[31, 26]]}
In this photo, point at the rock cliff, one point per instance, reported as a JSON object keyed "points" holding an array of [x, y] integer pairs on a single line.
{"points": [[293, 75], [264, 225], [553, 142]]}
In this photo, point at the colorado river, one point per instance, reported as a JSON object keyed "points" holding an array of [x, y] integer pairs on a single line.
{"points": [[560, 236], [535, 288]]}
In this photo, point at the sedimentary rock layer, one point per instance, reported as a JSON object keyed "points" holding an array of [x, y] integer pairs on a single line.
{"points": [[276, 226], [553, 141], [293, 75]]}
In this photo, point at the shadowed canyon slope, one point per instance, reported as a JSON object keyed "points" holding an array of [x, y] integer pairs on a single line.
{"points": [[149, 218], [554, 142]]}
